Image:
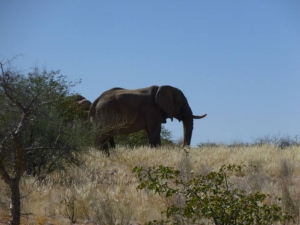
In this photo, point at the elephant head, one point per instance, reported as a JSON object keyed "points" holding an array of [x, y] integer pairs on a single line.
{"points": [[84, 104], [175, 105], [77, 97], [79, 104]]}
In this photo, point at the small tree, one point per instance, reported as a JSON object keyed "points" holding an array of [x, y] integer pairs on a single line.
{"points": [[209, 196], [34, 128]]}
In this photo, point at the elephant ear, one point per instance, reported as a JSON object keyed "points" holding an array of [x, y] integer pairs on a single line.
{"points": [[167, 100]]}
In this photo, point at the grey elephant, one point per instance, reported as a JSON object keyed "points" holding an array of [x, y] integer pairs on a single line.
{"points": [[140, 109], [82, 102]]}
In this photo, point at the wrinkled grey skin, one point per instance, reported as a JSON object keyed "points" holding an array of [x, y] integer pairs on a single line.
{"points": [[141, 109]]}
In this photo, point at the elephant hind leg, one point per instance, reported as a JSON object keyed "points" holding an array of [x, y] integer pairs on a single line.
{"points": [[112, 142], [103, 145]]}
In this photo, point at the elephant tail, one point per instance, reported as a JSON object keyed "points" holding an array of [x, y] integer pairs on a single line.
{"points": [[92, 112]]}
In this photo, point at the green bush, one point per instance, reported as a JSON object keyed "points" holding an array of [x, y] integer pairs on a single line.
{"points": [[141, 139], [37, 132], [210, 197]]}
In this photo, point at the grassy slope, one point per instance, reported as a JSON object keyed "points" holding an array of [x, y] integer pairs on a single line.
{"points": [[103, 191]]}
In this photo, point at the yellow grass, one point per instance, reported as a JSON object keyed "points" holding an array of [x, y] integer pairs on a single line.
{"points": [[103, 191]]}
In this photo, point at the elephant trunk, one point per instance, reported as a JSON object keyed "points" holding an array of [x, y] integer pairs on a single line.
{"points": [[187, 130]]}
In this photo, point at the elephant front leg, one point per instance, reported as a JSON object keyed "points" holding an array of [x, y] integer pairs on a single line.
{"points": [[154, 135]]}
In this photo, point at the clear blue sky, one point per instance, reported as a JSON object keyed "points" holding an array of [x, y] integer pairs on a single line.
{"points": [[237, 61]]}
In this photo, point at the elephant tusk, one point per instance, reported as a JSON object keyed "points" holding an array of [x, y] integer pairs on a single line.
{"points": [[199, 117]]}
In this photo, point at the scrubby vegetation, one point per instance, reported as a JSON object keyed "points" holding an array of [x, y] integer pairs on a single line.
{"points": [[103, 190], [38, 132], [209, 196], [50, 174], [140, 138]]}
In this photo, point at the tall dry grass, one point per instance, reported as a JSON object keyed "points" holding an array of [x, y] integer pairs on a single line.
{"points": [[103, 190]]}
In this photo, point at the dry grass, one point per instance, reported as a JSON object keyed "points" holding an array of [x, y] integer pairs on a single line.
{"points": [[103, 191]]}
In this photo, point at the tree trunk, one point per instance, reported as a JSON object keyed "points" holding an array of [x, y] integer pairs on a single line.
{"points": [[15, 202], [187, 131]]}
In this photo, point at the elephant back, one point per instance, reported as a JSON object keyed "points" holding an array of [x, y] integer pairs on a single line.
{"points": [[104, 97]]}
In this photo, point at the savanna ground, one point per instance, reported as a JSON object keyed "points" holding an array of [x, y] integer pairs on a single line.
{"points": [[103, 190]]}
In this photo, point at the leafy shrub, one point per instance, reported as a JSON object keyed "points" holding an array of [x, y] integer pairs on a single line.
{"points": [[208, 144], [278, 140], [141, 139], [37, 135], [209, 196]]}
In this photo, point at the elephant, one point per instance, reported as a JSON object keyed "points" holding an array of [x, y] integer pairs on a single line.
{"points": [[82, 102], [140, 109]]}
